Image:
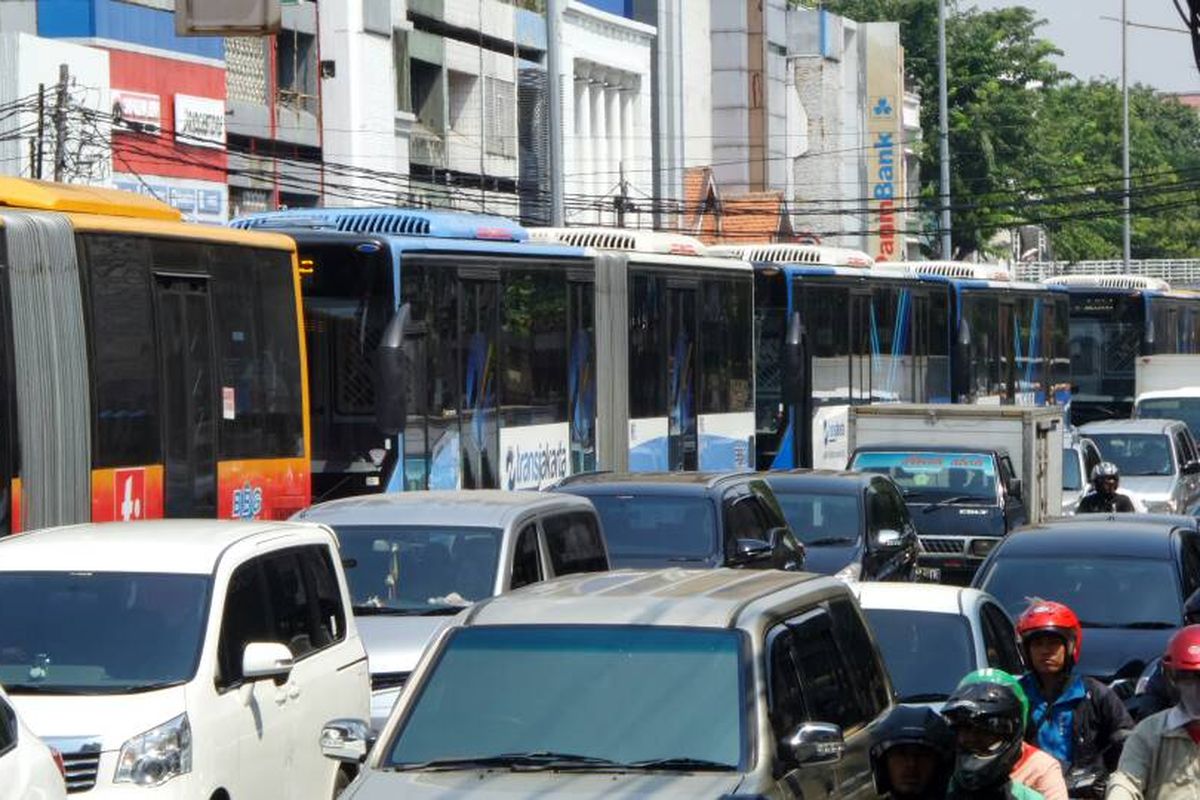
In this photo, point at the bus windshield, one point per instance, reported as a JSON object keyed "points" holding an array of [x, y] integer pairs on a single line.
{"points": [[348, 301], [1106, 337]]}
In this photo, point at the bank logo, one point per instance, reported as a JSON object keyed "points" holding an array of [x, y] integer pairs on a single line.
{"points": [[883, 108], [531, 468], [833, 430]]}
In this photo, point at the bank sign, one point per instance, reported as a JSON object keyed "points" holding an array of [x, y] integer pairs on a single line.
{"points": [[885, 139]]}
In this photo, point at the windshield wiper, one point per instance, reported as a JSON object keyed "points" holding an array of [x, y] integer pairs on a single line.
{"points": [[1148, 626], [682, 764], [541, 759], [831, 540], [37, 688], [384, 611], [949, 501], [924, 697], [138, 688]]}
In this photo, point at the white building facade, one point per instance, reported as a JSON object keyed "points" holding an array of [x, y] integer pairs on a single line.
{"points": [[607, 96]]}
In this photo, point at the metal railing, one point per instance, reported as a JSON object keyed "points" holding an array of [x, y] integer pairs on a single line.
{"points": [[1175, 271]]}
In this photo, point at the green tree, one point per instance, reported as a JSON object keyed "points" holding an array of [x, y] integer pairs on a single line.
{"points": [[998, 69]]}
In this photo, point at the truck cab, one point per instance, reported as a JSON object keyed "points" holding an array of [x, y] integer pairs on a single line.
{"points": [[962, 499]]}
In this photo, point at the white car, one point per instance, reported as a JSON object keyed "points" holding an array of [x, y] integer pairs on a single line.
{"points": [[28, 770], [931, 636], [200, 658]]}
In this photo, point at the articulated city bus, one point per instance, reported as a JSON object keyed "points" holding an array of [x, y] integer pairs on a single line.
{"points": [[1114, 319], [833, 329], [528, 360], [149, 367]]}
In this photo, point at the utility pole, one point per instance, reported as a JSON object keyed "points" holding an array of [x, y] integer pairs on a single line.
{"points": [[41, 131], [1126, 201], [60, 124], [554, 10], [944, 132]]}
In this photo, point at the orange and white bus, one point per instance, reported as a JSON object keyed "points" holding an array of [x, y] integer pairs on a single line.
{"points": [[148, 367]]}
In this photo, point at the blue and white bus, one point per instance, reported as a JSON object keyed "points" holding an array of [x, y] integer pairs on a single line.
{"points": [[519, 356], [1114, 319], [833, 329]]}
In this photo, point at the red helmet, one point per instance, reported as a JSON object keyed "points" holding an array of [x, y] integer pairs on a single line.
{"points": [[1183, 651], [1046, 616]]}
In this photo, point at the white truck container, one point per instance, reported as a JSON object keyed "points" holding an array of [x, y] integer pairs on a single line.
{"points": [[1168, 387], [1032, 436]]}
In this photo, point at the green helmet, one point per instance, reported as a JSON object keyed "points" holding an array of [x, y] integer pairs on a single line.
{"points": [[992, 700], [993, 675]]}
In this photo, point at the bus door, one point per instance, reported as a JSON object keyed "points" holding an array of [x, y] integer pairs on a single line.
{"points": [[682, 447], [479, 334], [864, 344], [581, 378], [189, 395], [1009, 351]]}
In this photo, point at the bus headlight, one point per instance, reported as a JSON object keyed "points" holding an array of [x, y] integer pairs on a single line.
{"points": [[154, 757]]}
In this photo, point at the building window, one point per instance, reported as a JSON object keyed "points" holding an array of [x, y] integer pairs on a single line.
{"points": [[500, 124], [464, 103], [404, 98], [296, 70], [426, 84]]}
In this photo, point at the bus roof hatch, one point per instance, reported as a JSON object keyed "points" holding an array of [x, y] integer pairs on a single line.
{"points": [[636, 241], [815, 254], [74, 199], [1141, 282], [389, 222]]}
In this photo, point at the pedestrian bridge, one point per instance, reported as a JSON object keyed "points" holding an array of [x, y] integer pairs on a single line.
{"points": [[1181, 273]]}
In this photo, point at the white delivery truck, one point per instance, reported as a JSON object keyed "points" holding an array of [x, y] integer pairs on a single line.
{"points": [[1168, 387], [969, 473]]}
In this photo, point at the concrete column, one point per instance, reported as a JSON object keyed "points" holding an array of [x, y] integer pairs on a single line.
{"points": [[600, 181], [581, 145], [633, 172], [612, 99]]}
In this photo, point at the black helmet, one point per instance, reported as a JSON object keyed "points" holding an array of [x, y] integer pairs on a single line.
{"points": [[987, 699], [1103, 471], [913, 725]]}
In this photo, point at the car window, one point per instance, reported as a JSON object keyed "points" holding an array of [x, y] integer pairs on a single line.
{"points": [[884, 511], [744, 520], [245, 619], [527, 564], [1183, 448], [295, 614], [1071, 479], [1009, 472], [573, 543], [1191, 564], [8, 727], [828, 693], [1136, 453], [785, 693], [1000, 640], [862, 665], [326, 595], [926, 652]]}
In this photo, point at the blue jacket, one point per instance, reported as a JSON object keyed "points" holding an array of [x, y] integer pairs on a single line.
{"points": [[1082, 728]]}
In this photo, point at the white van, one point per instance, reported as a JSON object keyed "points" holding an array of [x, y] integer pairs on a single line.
{"points": [[199, 657]]}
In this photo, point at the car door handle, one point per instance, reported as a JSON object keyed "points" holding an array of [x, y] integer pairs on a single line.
{"points": [[293, 691]]}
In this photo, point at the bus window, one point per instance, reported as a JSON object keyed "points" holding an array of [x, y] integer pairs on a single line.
{"points": [[581, 379], [647, 348], [478, 338], [683, 450], [827, 321], [770, 326], [981, 313], [725, 346], [533, 357], [891, 348], [124, 363]]}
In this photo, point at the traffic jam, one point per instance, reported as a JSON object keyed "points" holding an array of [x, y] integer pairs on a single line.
{"points": [[378, 503]]}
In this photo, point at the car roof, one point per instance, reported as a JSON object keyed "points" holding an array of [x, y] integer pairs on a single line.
{"points": [[1129, 426], [923, 597], [476, 508], [909, 447], [1109, 536], [168, 546], [708, 598], [1163, 394], [652, 482], [845, 481]]}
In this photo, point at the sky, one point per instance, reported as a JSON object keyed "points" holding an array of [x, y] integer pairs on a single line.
{"points": [[1092, 46]]}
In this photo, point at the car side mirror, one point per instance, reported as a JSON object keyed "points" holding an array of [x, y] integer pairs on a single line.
{"points": [[815, 743], [393, 369], [889, 539], [753, 552], [1191, 468], [1015, 488], [266, 660], [347, 740]]}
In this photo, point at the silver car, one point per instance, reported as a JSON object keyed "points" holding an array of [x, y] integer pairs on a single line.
{"points": [[416, 559], [1157, 458], [671, 683], [1080, 456]]}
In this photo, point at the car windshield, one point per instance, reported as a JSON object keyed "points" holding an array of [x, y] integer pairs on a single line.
{"points": [[1072, 481], [926, 653], [823, 519], [621, 693], [419, 566], [1148, 589], [1137, 453], [99, 632], [650, 526], [934, 476], [1185, 409]]}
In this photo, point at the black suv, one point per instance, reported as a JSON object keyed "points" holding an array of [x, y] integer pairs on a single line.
{"points": [[853, 524], [691, 519]]}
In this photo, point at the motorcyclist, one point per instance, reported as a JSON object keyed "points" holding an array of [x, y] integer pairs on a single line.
{"points": [[988, 719], [1105, 497], [1161, 759], [912, 754], [1076, 719]]}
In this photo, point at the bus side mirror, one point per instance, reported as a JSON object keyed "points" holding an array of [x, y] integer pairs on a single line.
{"points": [[392, 374], [794, 358]]}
